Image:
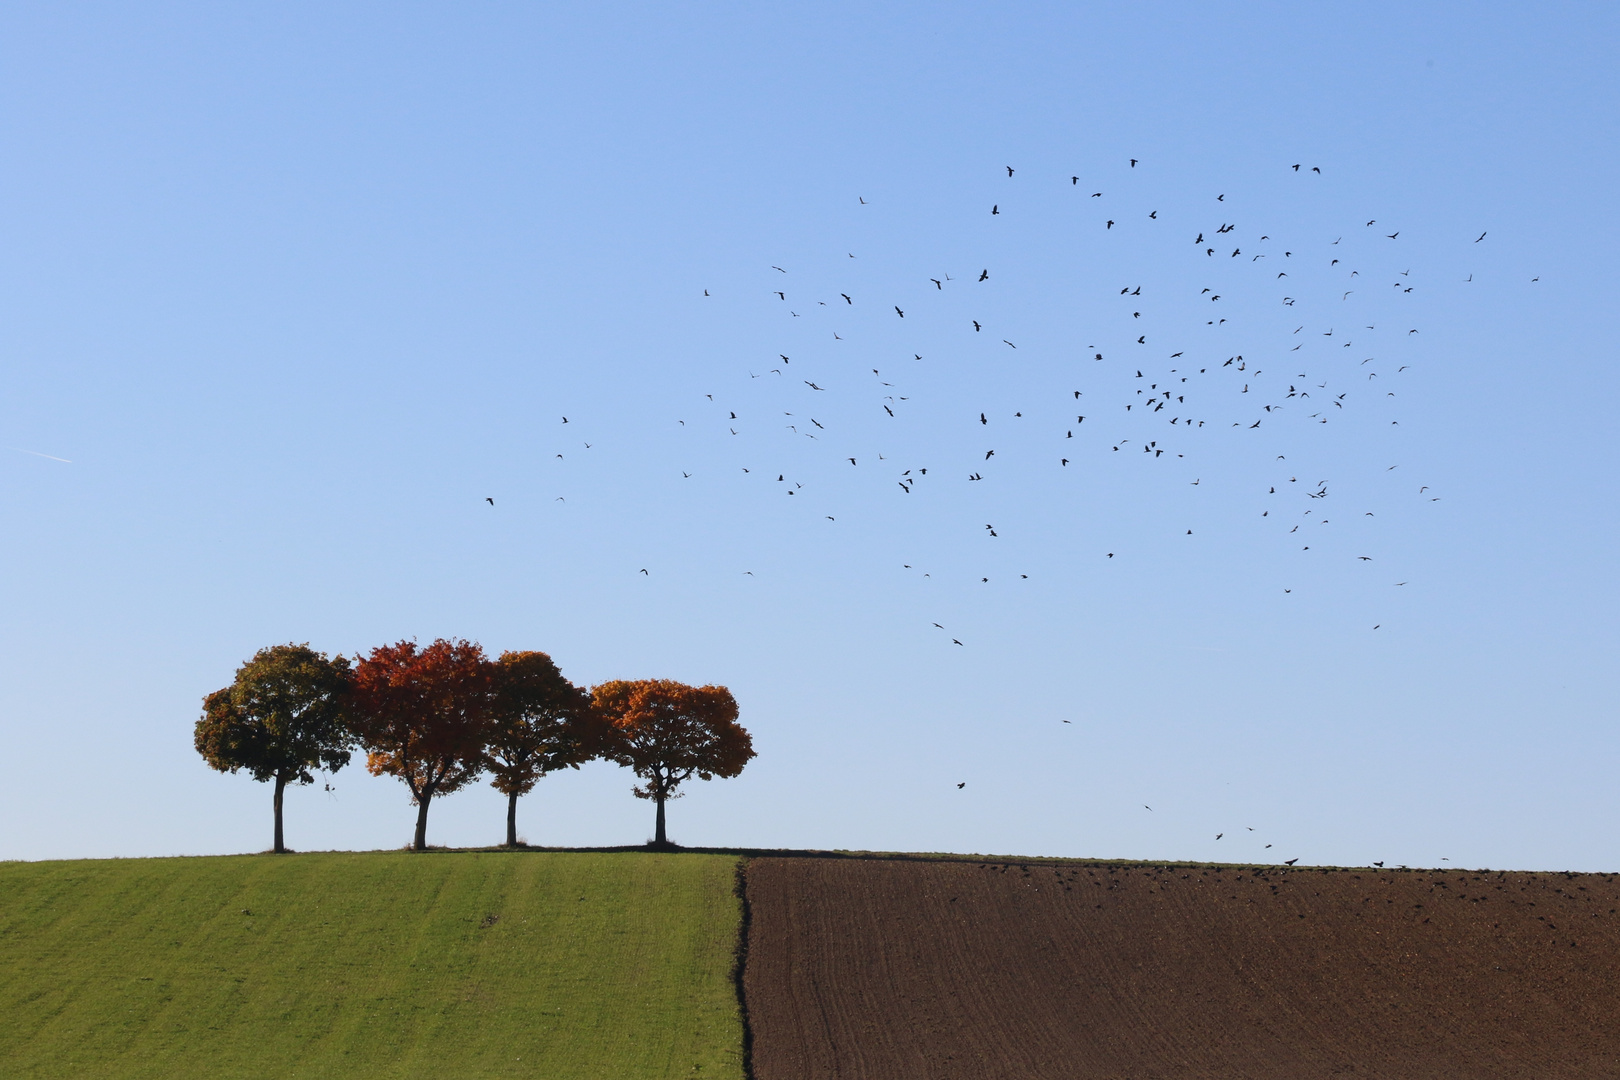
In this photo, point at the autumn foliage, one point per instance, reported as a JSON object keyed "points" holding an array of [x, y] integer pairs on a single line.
{"points": [[439, 716], [540, 723], [423, 715], [668, 732]]}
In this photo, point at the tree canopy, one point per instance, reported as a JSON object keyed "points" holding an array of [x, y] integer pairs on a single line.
{"points": [[668, 732], [423, 715], [283, 716], [540, 722]]}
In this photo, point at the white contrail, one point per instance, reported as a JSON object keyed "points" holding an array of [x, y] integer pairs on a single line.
{"points": [[36, 453]]}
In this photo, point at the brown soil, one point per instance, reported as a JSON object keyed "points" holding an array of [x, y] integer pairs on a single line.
{"points": [[890, 969]]}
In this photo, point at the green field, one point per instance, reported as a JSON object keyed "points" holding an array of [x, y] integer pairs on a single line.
{"points": [[383, 964]]}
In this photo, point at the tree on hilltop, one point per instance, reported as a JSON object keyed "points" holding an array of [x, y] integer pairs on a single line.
{"points": [[284, 715], [540, 723], [422, 715], [667, 732]]}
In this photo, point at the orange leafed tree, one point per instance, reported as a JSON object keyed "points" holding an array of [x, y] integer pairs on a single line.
{"points": [[423, 715], [668, 732], [541, 723]]}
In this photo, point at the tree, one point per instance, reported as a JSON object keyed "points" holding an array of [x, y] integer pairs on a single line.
{"points": [[284, 715], [541, 723], [667, 732], [423, 714]]}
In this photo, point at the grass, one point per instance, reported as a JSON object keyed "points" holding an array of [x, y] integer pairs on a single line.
{"points": [[382, 964]]}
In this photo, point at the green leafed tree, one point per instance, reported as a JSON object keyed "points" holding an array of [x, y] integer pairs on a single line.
{"points": [[540, 722], [284, 716]]}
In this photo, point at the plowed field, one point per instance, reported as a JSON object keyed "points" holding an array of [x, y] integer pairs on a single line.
{"points": [[890, 969]]}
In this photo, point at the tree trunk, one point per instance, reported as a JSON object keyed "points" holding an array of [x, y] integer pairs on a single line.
{"points": [[511, 820], [422, 801], [659, 839], [281, 786]]}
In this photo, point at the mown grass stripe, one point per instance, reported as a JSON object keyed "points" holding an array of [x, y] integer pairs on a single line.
{"points": [[379, 964]]}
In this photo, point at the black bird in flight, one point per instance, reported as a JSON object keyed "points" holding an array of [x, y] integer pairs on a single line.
{"points": [[1133, 163], [1291, 862], [898, 312], [489, 500], [996, 209], [1074, 181], [975, 326], [963, 784], [847, 300], [1481, 237], [644, 571], [984, 276]]}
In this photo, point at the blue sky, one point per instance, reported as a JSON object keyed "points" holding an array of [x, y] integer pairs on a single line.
{"points": [[291, 292]]}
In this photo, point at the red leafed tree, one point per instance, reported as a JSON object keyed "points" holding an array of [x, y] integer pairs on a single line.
{"points": [[667, 732], [423, 715], [541, 723]]}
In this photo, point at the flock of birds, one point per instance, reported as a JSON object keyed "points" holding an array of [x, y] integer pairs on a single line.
{"points": [[1258, 338], [1167, 401]]}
